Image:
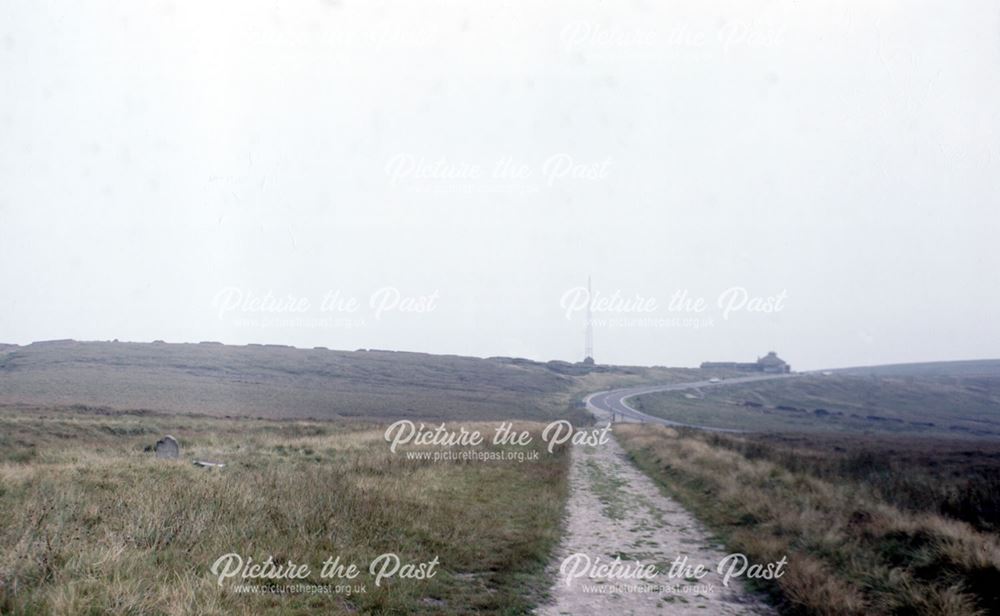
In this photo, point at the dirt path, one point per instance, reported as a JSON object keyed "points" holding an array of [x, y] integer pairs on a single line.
{"points": [[617, 511]]}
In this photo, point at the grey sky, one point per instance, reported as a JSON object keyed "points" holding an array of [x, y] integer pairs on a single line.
{"points": [[489, 157]]}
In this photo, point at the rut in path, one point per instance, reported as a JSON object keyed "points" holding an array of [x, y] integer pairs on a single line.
{"points": [[616, 510]]}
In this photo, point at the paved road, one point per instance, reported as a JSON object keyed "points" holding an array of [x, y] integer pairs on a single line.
{"points": [[605, 404]]}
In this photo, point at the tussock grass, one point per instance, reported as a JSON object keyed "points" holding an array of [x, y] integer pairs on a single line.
{"points": [[850, 550], [92, 523], [957, 478]]}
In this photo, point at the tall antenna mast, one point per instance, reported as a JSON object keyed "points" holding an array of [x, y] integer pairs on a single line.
{"points": [[588, 344]]}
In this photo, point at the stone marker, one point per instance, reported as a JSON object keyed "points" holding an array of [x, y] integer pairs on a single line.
{"points": [[207, 464], [167, 447]]}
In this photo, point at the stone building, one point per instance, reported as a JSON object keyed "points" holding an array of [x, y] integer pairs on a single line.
{"points": [[770, 363]]}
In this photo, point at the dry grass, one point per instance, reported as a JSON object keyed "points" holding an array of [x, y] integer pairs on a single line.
{"points": [[849, 550], [929, 406], [286, 383], [957, 478], [94, 524]]}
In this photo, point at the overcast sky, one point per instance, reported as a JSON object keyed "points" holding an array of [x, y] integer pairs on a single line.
{"points": [[447, 174]]}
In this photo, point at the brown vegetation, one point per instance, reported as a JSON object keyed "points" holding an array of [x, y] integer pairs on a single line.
{"points": [[278, 382], [855, 544], [92, 523], [963, 405]]}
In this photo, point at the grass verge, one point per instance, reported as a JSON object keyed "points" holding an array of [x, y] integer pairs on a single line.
{"points": [[849, 549]]}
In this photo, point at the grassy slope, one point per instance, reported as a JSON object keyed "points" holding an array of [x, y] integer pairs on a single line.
{"points": [[92, 523], [928, 405], [967, 368], [850, 549], [283, 382]]}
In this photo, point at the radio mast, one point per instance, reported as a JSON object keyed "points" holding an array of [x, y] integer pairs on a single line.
{"points": [[588, 343]]}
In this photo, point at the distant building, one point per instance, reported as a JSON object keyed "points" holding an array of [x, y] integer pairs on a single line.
{"points": [[773, 364], [770, 363]]}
